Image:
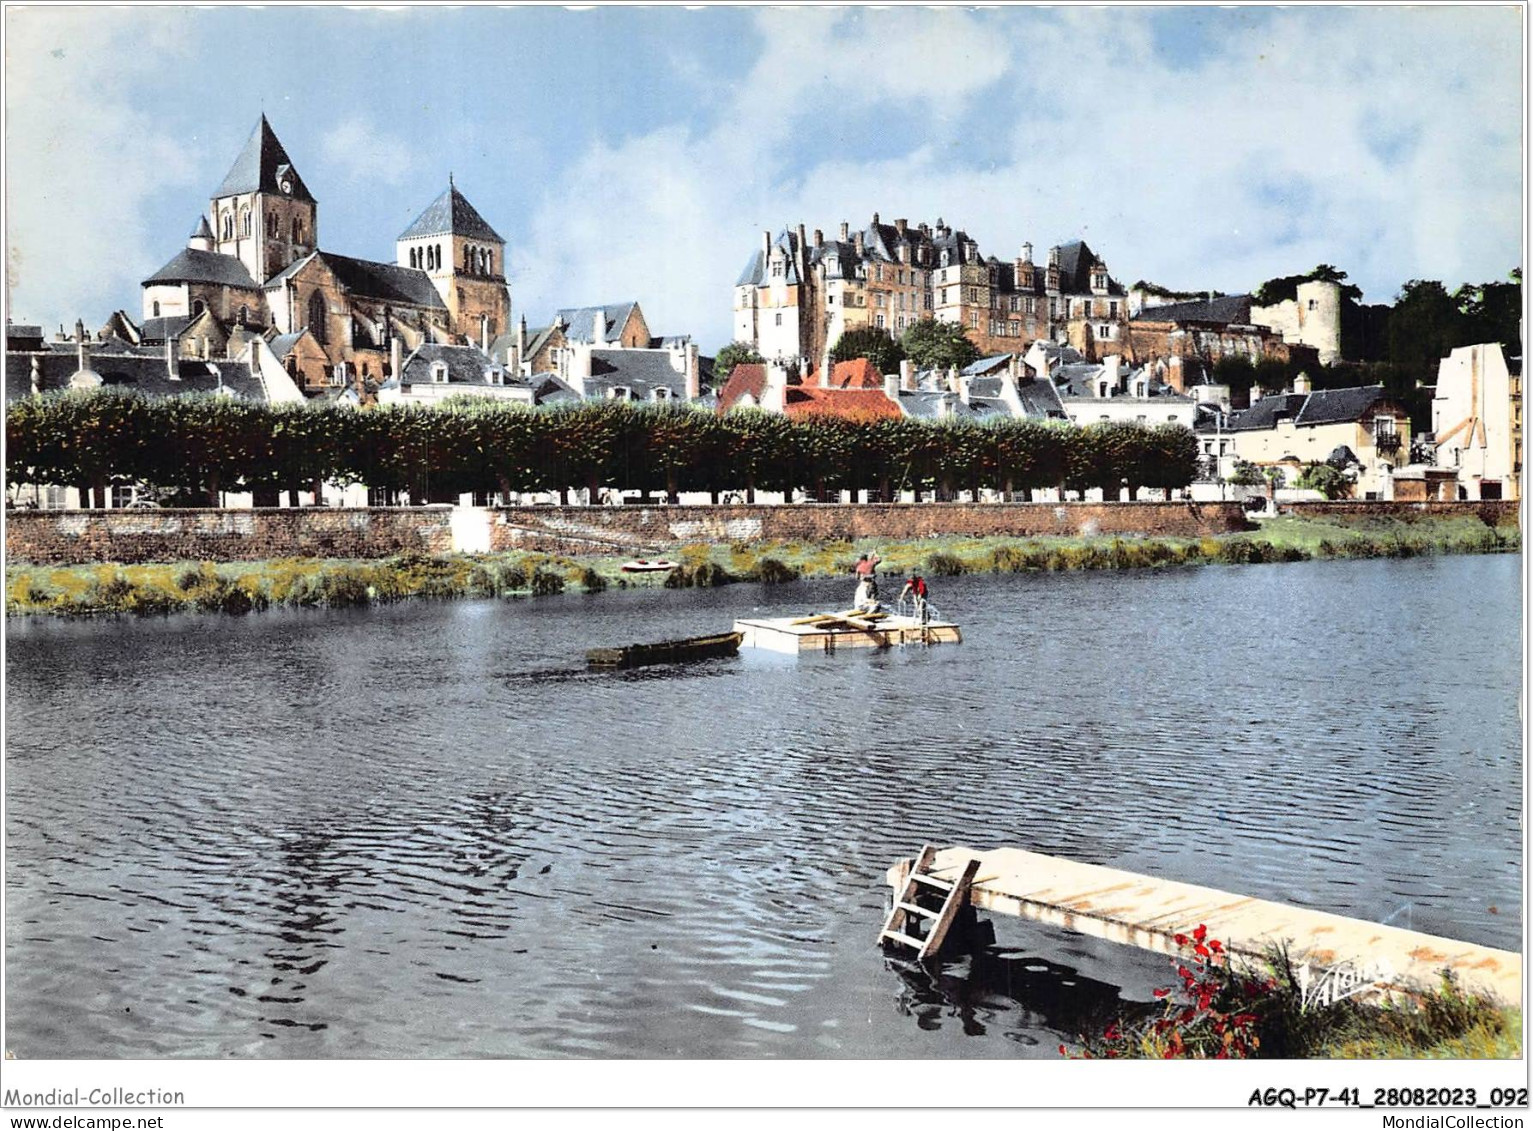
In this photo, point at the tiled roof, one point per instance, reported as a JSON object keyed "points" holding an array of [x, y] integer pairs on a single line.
{"points": [[857, 404], [746, 378], [256, 168], [136, 372], [192, 266], [1225, 310], [859, 373], [451, 214]]}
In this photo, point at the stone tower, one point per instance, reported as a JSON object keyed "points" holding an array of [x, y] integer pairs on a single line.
{"points": [[263, 213], [466, 260]]}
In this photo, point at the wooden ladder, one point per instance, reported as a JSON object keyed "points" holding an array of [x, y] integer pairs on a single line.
{"points": [[909, 909]]}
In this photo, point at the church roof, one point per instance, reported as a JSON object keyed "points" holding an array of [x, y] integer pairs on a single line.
{"points": [[193, 266], [451, 214], [257, 167], [366, 278], [202, 231]]}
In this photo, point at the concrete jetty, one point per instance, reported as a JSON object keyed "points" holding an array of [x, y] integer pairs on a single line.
{"points": [[1142, 911]]}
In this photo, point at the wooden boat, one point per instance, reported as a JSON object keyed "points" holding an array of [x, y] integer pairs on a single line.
{"points": [[641, 565], [666, 652]]}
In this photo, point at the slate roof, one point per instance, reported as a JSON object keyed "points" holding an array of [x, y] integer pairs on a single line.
{"points": [[987, 365], [465, 366], [1226, 310], [193, 266], [1040, 399], [136, 372], [548, 389], [365, 278], [1266, 411], [753, 273], [579, 319], [283, 344], [642, 371], [202, 230], [451, 214], [158, 329], [1338, 406], [926, 405], [256, 168]]}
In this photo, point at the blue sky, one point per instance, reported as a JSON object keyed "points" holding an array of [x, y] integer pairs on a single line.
{"points": [[637, 153]]}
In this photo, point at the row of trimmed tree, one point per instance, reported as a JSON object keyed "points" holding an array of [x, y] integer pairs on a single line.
{"points": [[197, 446]]}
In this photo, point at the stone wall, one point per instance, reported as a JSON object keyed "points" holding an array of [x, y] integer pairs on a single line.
{"points": [[68, 537], [1495, 513], [635, 528], [71, 537]]}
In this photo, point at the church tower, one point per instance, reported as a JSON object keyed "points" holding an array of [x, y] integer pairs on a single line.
{"points": [[263, 213], [465, 259]]}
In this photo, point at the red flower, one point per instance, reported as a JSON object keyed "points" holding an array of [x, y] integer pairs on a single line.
{"points": [[1181, 940], [1203, 951], [1063, 1051], [1187, 1015], [1215, 946], [1162, 993], [1201, 933], [1113, 1033]]}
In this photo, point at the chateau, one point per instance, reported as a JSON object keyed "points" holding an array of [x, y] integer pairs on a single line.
{"points": [[796, 297], [253, 267]]}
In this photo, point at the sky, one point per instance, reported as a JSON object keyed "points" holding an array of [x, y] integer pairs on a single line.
{"points": [[638, 153]]}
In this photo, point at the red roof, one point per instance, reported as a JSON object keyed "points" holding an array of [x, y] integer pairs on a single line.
{"points": [[854, 404], [859, 373], [747, 377]]}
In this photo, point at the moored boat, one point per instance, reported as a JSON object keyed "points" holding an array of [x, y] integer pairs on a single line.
{"points": [[666, 652], [642, 565]]}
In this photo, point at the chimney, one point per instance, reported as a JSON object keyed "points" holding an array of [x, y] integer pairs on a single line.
{"points": [[1053, 257], [1174, 376], [857, 242], [599, 327], [844, 230], [899, 226], [521, 337], [908, 374], [802, 246], [766, 251], [1027, 253], [774, 397], [396, 358], [952, 378], [1112, 363], [875, 219], [819, 237], [694, 380], [484, 333], [79, 330], [892, 385]]}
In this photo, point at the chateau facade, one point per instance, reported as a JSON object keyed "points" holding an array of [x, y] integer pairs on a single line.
{"points": [[254, 263], [797, 296]]}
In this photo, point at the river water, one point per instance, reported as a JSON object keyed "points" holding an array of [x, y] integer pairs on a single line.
{"points": [[424, 830]]}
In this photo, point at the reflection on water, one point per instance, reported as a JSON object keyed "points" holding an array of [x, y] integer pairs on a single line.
{"points": [[427, 830]]}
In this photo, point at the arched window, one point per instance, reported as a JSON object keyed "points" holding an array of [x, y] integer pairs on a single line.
{"points": [[156, 309], [271, 225], [227, 226], [317, 318], [439, 255], [243, 316], [245, 228], [489, 263], [198, 306], [297, 230]]}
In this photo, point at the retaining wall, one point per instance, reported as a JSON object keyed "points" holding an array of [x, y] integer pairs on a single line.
{"points": [[1499, 512], [73, 537]]}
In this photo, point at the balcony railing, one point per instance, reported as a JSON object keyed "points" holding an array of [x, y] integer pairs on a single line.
{"points": [[1388, 443]]}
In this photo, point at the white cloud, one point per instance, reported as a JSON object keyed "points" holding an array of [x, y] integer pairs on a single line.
{"points": [[359, 152], [81, 164], [1385, 141]]}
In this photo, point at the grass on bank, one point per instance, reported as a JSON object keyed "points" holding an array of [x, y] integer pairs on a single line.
{"points": [[241, 587]]}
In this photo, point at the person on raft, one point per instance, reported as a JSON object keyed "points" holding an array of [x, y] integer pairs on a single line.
{"points": [[915, 589], [866, 600]]}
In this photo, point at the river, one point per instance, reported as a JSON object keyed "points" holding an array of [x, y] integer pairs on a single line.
{"points": [[425, 830]]}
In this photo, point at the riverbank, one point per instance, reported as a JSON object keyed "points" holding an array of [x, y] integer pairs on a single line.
{"points": [[242, 587]]}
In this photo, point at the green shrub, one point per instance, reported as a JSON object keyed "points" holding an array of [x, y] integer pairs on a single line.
{"points": [[510, 576], [193, 577], [481, 582], [771, 571], [939, 564], [546, 582], [343, 587], [592, 581]]}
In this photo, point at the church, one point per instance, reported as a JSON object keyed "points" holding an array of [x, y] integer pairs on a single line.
{"points": [[253, 265]]}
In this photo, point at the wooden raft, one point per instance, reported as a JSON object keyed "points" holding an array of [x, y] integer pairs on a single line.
{"points": [[1142, 911], [826, 632]]}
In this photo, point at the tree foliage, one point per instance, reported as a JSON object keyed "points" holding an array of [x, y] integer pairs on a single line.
{"points": [[872, 343], [735, 353], [938, 345]]}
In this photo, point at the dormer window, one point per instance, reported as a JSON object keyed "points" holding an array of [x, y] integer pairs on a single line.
{"points": [[496, 375], [661, 393], [619, 393], [439, 373]]}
